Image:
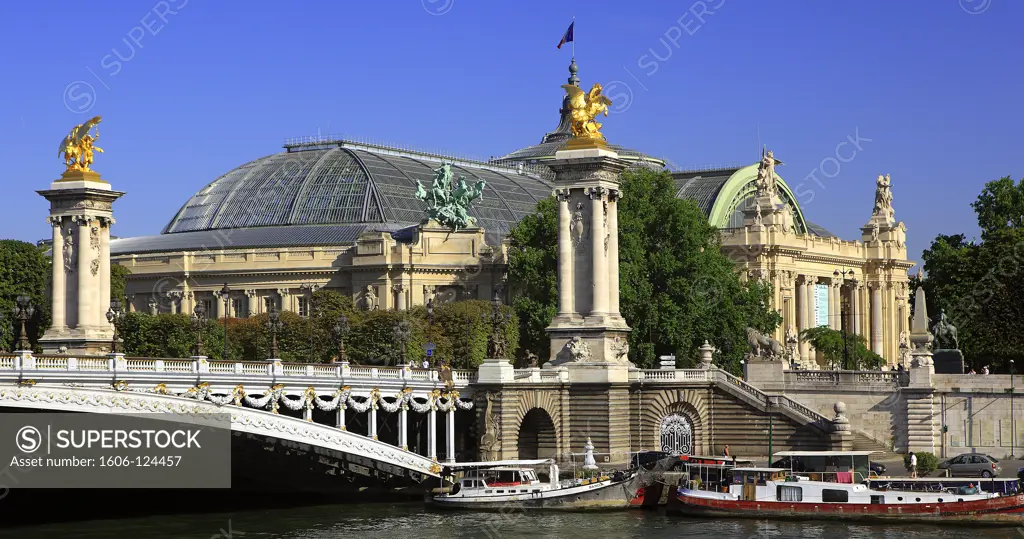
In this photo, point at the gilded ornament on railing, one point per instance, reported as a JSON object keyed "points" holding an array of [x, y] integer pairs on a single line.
{"points": [[28, 383], [583, 108], [161, 389], [79, 145], [120, 385], [435, 468]]}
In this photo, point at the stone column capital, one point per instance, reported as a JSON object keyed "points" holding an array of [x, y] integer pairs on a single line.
{"points": [[561, 194], [250, 292], [595, 193], [614, 195], [399, 288], [56, 221], [283, 292]]}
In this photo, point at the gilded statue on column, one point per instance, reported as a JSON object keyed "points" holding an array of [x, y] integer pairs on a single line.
{"points": [[584, 107], [79, 145]]}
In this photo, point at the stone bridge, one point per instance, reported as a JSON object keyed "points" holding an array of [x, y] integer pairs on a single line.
{"points": [[357, 418]]}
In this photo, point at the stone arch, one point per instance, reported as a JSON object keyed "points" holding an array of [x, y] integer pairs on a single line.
{"points": [[537, 438], [691, 404], [548, 403]]}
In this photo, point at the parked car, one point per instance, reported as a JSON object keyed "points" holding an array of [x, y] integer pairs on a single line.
{"points": [[972, 465]]}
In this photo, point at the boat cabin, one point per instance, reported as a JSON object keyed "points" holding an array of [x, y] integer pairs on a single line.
{"points": [[709, 473], [827, 466], [501, 477], [747, 480]]}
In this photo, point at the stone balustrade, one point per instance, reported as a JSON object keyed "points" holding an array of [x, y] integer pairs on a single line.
{"points": [[29, 366]]}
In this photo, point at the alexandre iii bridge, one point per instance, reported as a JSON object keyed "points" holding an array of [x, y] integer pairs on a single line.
{"points": [[394, 427]]}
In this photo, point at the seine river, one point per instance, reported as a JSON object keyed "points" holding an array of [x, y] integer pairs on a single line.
{"points": [[412, 520]]}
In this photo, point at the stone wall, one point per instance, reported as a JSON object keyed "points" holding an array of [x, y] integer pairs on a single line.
{"points": [[975, 409]]}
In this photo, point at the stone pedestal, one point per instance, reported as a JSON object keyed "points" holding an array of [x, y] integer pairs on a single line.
{"points": [[81, 214], [495, 371], [948, 361]]}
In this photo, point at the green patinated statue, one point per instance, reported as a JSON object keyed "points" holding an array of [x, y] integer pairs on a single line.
{"points": [[448, 204]]}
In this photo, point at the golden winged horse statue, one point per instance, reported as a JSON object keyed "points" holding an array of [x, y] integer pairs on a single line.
{"points": [[79, 145], [584, 107]]}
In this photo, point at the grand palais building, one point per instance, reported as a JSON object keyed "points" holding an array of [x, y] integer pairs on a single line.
{"points": [[342, 215]]}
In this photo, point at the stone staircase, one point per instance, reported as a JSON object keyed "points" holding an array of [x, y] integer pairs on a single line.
{"points": [[773, 403]]}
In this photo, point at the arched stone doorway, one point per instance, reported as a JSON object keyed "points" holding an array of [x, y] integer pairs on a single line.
{"points": [[537, 439], [676, 434]]}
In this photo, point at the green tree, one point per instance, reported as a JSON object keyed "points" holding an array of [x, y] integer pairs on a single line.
{"points": [[677, 288], [830, 343], [980, 284], [118, 279], [23, 270]]}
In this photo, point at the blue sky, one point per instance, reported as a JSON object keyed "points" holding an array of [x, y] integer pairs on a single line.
{"points": [[188, 89]]}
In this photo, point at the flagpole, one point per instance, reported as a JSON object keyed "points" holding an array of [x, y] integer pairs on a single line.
{"points": [[574, 37]]}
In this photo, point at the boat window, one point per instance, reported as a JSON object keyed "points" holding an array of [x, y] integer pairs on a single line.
{"points": [[488, 491], [790, 493], [536, 490], [877, 499], [501, 492], [829, 495]]}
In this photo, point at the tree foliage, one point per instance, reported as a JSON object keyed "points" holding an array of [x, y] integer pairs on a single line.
{"points": [[980, 284], [118, 279], [24, 269], [676, 287], [830, 343], [458, 332]]}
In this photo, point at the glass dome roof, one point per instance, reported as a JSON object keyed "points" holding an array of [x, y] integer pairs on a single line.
{"points": [[327, 182]]}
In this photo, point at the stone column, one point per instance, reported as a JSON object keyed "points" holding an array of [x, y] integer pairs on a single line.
{"points": [[802, 321], [371, 421], [432, 433], [218, 307], [834, 306], [86, 290], [876, 317], [613, 251], [855, 306], [566, 306], [340, 417], [284, 296], [598, 236], [399, 290], [58, 275], [811, 301], [449, 432], [250, 303], [403, 427], [104, 224]]}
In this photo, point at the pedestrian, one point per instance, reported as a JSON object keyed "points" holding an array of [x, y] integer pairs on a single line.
{"points": [[984, 370], [913, 465], [727, 450], [426, 364], [972, 371]]}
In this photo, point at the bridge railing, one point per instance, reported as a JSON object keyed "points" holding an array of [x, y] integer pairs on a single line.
{"points": [[851, 379], [118, 364]]}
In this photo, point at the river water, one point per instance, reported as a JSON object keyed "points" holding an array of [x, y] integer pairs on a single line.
{"points": [[414, 521]]}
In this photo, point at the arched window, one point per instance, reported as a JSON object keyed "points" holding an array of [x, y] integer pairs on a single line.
{"points": [[676, 434]]}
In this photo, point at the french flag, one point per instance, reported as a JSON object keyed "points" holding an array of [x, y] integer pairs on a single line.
{"points": [[568, 35]]}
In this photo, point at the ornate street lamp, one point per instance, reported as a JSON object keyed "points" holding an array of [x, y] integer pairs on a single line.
{"points": [[114, 314], [497, 319], [23, 312], [403, 331], [1013, 421], [198, 321], [340, 331], [842, 317], [274, 325], [225, 294]]}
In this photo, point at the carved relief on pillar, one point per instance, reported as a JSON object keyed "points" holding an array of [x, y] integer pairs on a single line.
{"points": [[69, 251], [788, 279], [578, 226], [429, 292]]}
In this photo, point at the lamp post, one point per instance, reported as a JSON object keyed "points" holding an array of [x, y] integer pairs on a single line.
{"points": [[403, 331], [114, 317], [23, 312], [225, 295], [198, 321], [1013, 421], [340, 331], [310, 310], [842, 318], [273, 324]]}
